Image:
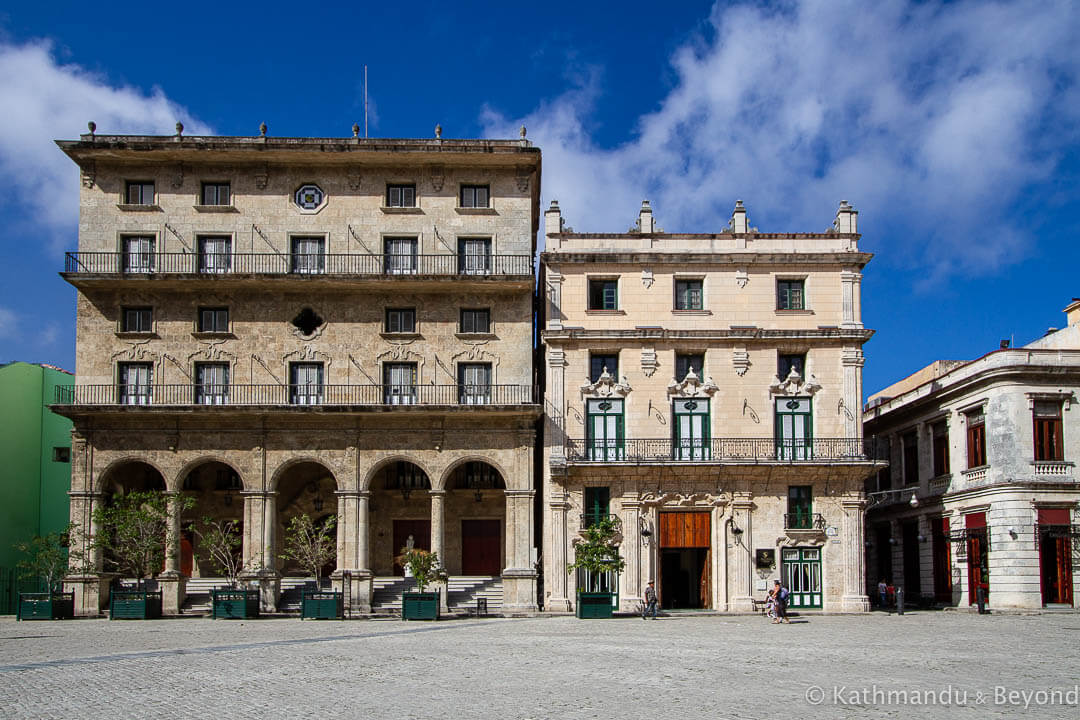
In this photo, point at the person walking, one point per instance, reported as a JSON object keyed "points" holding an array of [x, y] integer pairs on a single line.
{"points": [[883, 593], [780, 598], [650, 602]]}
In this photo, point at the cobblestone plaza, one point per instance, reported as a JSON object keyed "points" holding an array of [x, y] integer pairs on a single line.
{"points": [[920, 665]]}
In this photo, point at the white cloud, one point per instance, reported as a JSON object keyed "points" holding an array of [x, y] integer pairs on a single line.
{"points": [[7, 323], [45, 100], [933, 119]]}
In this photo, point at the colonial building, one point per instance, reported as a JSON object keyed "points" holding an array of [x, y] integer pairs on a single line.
{"points": [[705, 390], [278, 326], [988, 450]]}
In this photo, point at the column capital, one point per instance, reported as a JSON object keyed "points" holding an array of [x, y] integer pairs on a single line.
{"points": [[520, 493], [435, 492], [86, 494]]}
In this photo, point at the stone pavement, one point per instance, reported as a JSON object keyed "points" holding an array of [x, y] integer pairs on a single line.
{"points": [[687, 666]]}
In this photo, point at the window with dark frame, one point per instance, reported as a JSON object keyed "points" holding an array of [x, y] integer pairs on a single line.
{"points": [[474, 256], [475, 196], [685, 361], [215, 254], [910, 442], [603, 294], [786, 362], [400, 320], [976, 440], [1046, 418], [400, 196], [139, 192], [474, 383], [211, 383], [306, 383], [399, 383], [689, 295], [598, 362], [135, 383], [308, 255], [216, 193], [214, 320], [475, 320], [138, 253], [137, 320], [940, 432], [790, 295], [800, 508], [399, 255]]}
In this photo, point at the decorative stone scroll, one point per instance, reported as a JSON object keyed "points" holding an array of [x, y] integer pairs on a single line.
{"points": [[740, 358], [649, 362], [692, 386], [700, 499], [606, 386], [794, 384]]}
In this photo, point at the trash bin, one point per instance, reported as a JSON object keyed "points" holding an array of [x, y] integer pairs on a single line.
{"points": [[481, 607], [899, 601]]}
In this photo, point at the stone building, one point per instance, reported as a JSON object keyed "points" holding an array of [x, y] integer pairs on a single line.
{"points": [[705, 390], [988, 450], [286, 326]]}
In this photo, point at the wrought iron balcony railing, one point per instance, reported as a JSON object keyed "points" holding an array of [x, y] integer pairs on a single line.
{"points": [[592, 519], [639, 450], [301, 264], [804, 521], [294, 395]]}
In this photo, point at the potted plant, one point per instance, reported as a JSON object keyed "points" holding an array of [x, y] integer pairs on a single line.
{"points": [[221, 541], [424, 566], [47, 559], [134, 532], [598, 564], [312, 546]]}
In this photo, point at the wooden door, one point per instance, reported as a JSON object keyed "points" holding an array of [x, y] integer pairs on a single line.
{"points": [[1055, 555], [187, 553], [481, 547], [978, 556], [684, 530], [421, 534]]}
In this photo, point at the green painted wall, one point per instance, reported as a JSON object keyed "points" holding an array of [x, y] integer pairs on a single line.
{"points": [[33, 486]]}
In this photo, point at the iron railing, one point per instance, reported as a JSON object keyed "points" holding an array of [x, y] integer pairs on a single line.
{"points": [[592, 519], [804, 521], [294, 395], [120, 263], [638, 450]]}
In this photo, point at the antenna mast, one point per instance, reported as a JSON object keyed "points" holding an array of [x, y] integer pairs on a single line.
{"points": [[365, 101]]}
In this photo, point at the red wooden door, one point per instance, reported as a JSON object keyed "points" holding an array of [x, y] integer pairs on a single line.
{"points": [[481, 547], [187, 553], [421, 535], [1055, 556], [684, 530], [978, 556]]}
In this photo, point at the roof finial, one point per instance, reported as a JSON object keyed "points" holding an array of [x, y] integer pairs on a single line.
{"points": [[356, 130], [262, 129], [522, 132], [438, 132], [179, 128], [92, 126]]}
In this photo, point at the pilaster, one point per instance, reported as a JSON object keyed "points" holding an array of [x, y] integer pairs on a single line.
{"points": [[853, 533]]}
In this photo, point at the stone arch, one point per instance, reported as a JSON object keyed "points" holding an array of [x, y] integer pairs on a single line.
{"points": [[284, 467], [185, 470], [302, 486], [374, 470], [448, 472], [117, 464]]}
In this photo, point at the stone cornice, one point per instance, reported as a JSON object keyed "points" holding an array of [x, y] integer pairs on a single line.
{"points": [[860, 335], [703, 260]]}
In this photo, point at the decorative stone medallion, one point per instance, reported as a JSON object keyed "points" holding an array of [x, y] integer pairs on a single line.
{"points": [[309, 197]]}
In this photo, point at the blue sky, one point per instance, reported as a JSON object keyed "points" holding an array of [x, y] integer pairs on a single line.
{"points": [[952, 127]]}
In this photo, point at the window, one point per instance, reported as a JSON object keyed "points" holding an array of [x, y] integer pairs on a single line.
{"points": [[61, 454], [308, 255], [1047, 421], [137, 320], [476, 320], [138, 252], [211, 383], [685, 361], [474, 256], [786, 362], [401, 196], [689, 295], [790, 295], [474, 383], [691, 429], [940, 432], [214, 320], [597, 502], [910, 442], [135, 380], [400, 255], [139, 192], [800, 508], [306, 383], [214, 193], [399, 383], [401, 320], [794, 429], [604, 429], [474, 196], [598, 362], [215, 254], [603, 294], [976, 439], [884, 479]]}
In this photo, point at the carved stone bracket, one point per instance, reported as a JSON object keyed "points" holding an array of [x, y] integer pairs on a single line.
{"points": [[741, 277], [523, 174], [692, 386], [437, 177], [647, 278], [794, 384], [178, 177], [88, 173], [656, 498], [740, 358], [262, 176], [354, 181], [649, 363], [606, 386]]}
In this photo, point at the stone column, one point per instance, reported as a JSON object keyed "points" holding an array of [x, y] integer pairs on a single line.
{"points": [[742, 573], [362, 578], [519, 575], [171, 580], [555, 575], [87, 579], [852, 360], [555, 405], [438, 541], [631, 584], [854, 552], [852, 317], [260, 511]]}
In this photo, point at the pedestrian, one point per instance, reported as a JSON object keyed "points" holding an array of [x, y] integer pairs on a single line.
{"points": [[770, 605], [650, 602], [780, 593], [883, 593]]}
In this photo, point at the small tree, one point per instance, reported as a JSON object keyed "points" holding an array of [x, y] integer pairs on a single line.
{"points": [[598, 553], [135, 530], [48, 558], [422, 564], [309, 545], [221, 541]]}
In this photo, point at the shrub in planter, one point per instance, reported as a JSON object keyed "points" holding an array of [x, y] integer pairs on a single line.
{"points": [[424, 566], [221, 541], [598, 564], [46, 558], [312, 546]]}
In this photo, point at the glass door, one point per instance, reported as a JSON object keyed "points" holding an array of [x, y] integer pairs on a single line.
{"points": [[802, 577], [794, 431], [691, 429], [604, 427]]}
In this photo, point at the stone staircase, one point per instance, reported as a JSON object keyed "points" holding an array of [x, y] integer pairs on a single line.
{"points": [[292, 589], [197, 597], [462, 594]]}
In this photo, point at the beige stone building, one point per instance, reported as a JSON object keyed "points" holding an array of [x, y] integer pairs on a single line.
{"points": [[988, 451], [280, 326], [705, 389]]}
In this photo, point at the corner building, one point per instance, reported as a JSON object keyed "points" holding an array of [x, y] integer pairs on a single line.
{"points": [[705, 390], [278, 326]]}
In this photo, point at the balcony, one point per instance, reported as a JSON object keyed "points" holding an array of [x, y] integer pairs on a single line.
{"points": [[727, 450], [592, 519], [82, 266], [293, 396]]}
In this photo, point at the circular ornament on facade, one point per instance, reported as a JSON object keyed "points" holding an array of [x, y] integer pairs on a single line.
{"points": [[604, 405], [309, 197], [792, 404], [691, 405]]}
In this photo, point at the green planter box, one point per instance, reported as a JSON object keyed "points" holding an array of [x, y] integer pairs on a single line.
{"points": [[134, 605], [420, 606], [235, 604], [46, 606], [594, 605], [321, 605]]}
